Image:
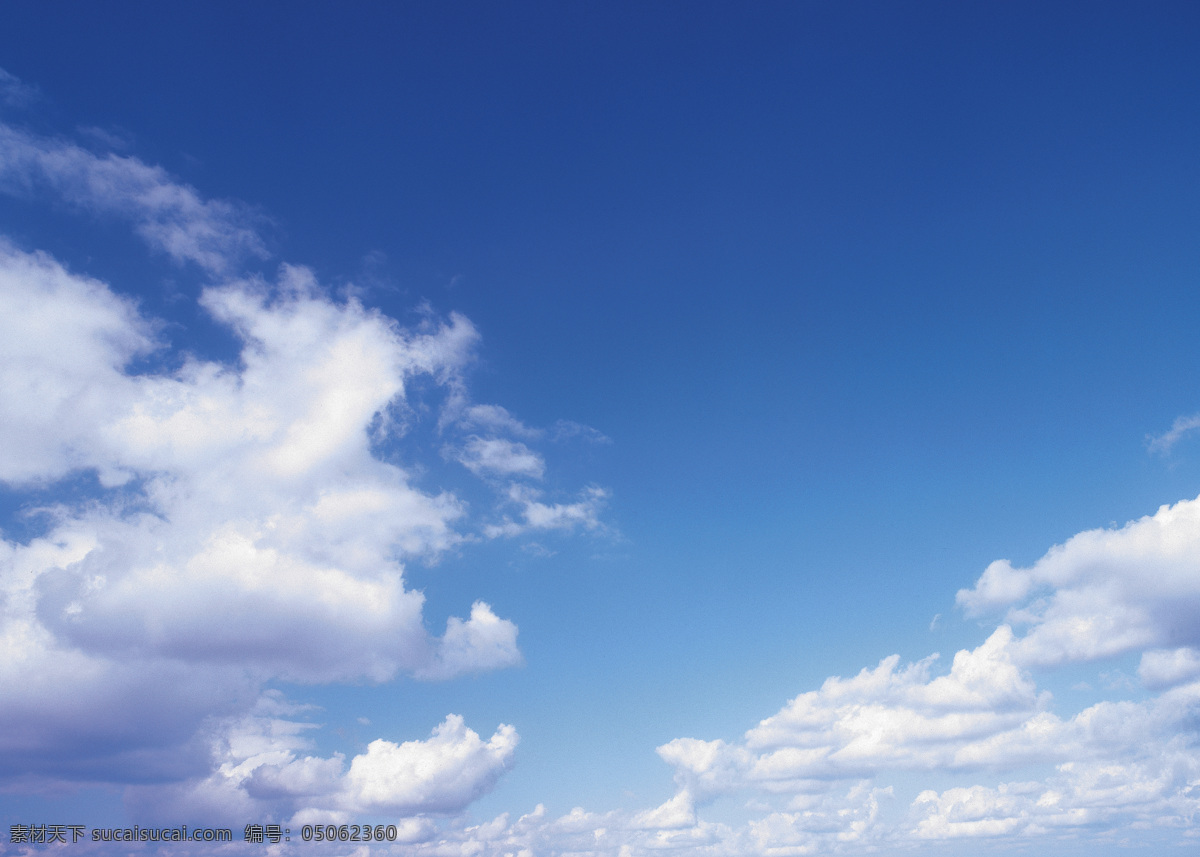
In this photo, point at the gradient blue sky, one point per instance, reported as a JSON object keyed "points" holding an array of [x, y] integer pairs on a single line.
{"points": [[730, 346]]}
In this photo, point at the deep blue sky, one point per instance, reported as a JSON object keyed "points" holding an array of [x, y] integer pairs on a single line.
{"points": [[865, 296]]}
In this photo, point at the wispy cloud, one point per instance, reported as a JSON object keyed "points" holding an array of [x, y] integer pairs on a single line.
{"points": [[171, 217], [1166, 441], [14, 92], [568, 430], [498, 447], [496, 420], [536, 515]]}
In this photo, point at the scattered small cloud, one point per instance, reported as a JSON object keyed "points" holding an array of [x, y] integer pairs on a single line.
{"points": [[536, 515], [1182, 427], [568, 430], [497, 420], [495, 456], [483, 642]]}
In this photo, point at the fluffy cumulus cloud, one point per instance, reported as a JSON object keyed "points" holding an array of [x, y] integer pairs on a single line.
{"points": [[258, 497], [1103, 592], [443, 774], [265, 768], [65, 342], [231, 523], [247, 532], [481, 642]]}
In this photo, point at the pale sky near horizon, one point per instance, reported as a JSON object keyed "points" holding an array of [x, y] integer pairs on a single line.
{"points": [[602, 428]]}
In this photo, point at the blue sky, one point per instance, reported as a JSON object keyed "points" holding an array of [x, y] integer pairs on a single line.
{"points": [[575, 428]]}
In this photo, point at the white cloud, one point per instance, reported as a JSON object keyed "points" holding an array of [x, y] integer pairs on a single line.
{"points": [[1182, 427], [256, 536], [482, 447], [483, 642], [499, 457], [882, 719], [675, 813], [1116, 765], [1160, 789], [826, 824], [1161, 668], [440, 775], [260, 767], [171, 217], [267, 507], [64, 341], [830, 818], [974, 811], [240, 529], [536, 515], [252, 495], [246, 534], [1117, 768], [1104, 591], [496, 419]]}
